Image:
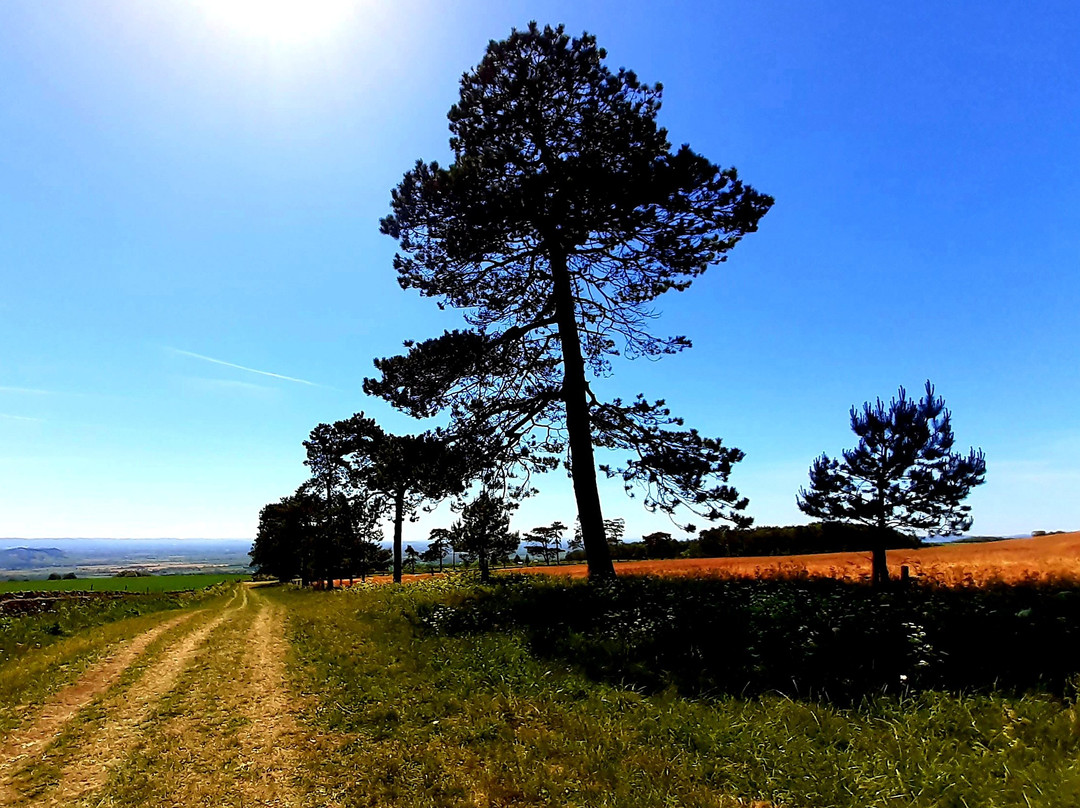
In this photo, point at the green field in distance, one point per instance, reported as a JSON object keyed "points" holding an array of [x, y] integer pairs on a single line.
{"points": [[153, 583]]}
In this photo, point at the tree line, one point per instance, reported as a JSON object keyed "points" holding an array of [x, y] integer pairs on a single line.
{"points": [[727, 542], [564, 214]]}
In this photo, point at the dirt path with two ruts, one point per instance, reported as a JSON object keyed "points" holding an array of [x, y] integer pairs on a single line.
{"points": [[195, 711]]}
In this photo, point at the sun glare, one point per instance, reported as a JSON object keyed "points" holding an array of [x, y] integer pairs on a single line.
{"points": [[284, 21]]}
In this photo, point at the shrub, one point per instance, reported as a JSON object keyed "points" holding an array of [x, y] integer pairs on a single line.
{"points": [[816, 637]]}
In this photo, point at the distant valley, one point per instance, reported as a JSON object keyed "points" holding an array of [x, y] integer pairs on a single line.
{"points": [[38, 558]]}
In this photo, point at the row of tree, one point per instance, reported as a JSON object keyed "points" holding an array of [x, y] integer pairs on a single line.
{"points": [[362, 476], [563, 216], [724, 542], [337, 535], [902, 474]]}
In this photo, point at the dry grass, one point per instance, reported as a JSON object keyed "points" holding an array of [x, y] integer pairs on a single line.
{"points": [[1045, 558]]}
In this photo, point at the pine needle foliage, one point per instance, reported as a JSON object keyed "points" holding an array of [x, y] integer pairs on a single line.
{"points": [[563, 216], [902, 475]]}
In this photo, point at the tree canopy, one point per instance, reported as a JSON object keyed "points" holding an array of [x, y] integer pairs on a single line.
{"points": [[482, 534], [546, 541], [307, 536], [903, 474], [564, 215], [403, 470], [284, 542]]}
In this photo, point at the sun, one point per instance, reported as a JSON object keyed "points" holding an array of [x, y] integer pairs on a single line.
{"points": [[282, 21]]}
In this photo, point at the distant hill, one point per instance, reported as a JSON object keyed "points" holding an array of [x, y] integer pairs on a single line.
{"points": [[23, 558], [103, 557]]}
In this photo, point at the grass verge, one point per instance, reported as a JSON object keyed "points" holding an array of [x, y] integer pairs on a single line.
{"points": [[484, 717], [144, 585], [40, 654]]}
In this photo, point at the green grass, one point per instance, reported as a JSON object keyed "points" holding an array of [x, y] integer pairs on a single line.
{"points": [[153, 583], [813, 637], [40, 654], [23, 634], [426, 717]]}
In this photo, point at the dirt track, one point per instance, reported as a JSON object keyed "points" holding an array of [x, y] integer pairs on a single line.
{"points": [[194, 711]]}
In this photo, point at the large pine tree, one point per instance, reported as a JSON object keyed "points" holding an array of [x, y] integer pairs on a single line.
{"points": [[564, 214]]}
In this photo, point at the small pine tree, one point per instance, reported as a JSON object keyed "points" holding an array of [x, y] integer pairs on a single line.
{"points": [[903, 474], [438, 545], [411, 556], [483, 532]]}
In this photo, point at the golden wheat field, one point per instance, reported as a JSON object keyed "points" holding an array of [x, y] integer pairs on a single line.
{"points": [[1044, 558]]}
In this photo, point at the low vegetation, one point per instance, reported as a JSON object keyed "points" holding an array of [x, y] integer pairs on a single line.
{"points": [[69, 616], [535, 690], [818, 638], [122, 583], [42, 652], [690, 693]]}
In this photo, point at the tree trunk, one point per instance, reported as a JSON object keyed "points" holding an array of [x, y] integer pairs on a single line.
{"points": [[484, 574], [578, 427], [880, 566], [399, 517]]}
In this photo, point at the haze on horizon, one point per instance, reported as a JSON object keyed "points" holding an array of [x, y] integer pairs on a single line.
{"points": [[194, 278]]}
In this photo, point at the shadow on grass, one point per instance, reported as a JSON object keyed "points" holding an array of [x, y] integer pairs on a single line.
{"points": [[811, 638]]}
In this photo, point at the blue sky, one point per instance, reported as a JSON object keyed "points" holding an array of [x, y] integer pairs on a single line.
{"points": [[180, 184]]}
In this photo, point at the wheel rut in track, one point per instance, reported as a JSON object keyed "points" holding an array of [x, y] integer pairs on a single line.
{"points": [[206, 717], [28, 742]]}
